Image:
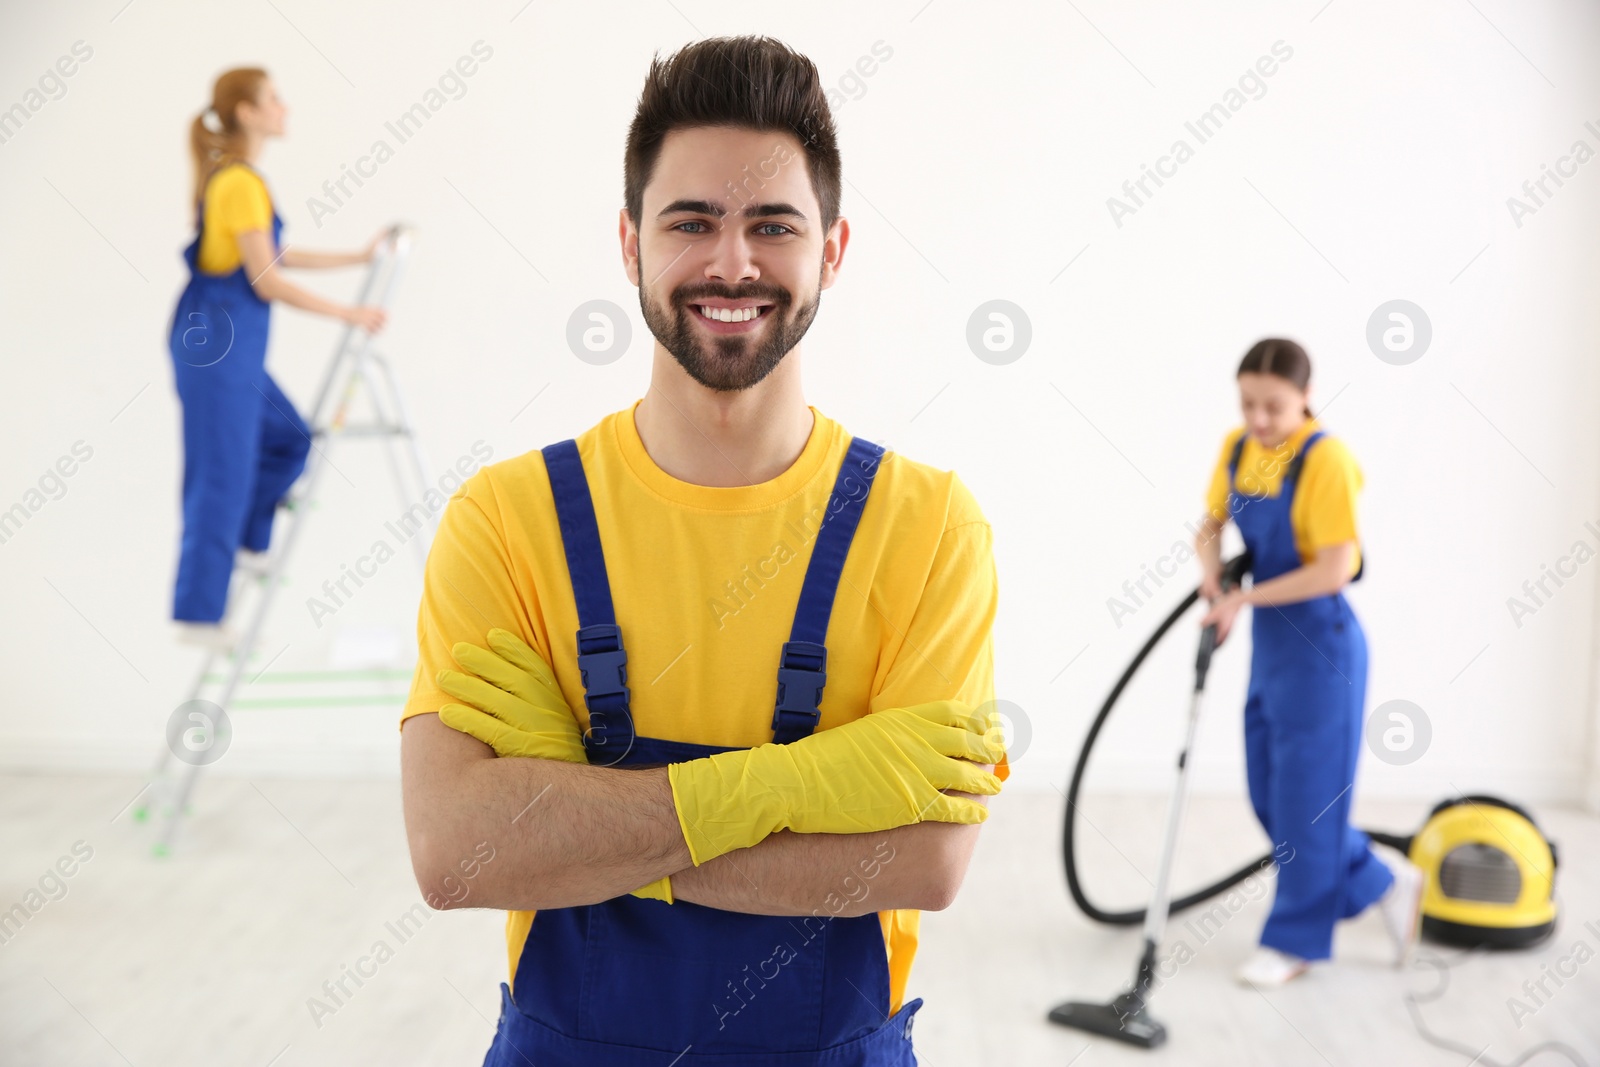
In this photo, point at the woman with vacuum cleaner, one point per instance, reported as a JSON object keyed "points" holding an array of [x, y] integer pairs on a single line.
{"points": [[1291, 489]]}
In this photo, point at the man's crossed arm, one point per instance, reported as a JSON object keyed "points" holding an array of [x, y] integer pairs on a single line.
{"points": [[565, 834]]}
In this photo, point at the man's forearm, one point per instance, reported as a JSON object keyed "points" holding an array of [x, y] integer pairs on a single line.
{"points": [[916, 866], [562, 834], [919, 866]]}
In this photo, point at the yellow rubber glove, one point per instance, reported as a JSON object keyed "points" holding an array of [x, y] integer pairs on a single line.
{"points": [[514, 705], [883, 770]]}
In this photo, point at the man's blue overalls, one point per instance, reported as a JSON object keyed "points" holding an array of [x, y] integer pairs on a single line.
{"points": [[1302, 730], [631, 982], [243, 442]]}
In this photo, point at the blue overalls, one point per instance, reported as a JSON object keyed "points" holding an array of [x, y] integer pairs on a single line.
{"points": [[632, 982], [243, 442], [1302, 732]]}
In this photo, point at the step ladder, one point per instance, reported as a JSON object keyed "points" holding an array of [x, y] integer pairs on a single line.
{"points": [[354, 370]]}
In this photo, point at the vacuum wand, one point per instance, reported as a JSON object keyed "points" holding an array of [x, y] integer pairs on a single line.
{"points": [[1127, 1018], [1155, 920]]}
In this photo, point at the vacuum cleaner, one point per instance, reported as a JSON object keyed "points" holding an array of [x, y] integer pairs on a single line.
{"points": [[1490, 871]]}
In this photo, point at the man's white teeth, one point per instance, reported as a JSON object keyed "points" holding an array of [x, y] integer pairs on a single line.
{"points": [[729, 314]]}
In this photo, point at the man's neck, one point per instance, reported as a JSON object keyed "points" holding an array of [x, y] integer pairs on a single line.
{"points": [[723, 439]]}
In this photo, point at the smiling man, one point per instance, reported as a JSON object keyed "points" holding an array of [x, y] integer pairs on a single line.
{"points": [[733, 728]]}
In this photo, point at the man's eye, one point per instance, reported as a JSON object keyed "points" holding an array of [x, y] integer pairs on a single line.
{"points": [[784, 229], [691, 222]]}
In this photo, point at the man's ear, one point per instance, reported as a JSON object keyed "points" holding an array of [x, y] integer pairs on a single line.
{"points": [[628, 237], [833, 246]]}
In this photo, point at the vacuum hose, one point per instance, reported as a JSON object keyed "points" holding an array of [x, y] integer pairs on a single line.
{"points": [[1232, 574]]}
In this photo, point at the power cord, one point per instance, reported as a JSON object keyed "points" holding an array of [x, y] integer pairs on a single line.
{"points": [[1442, 967]]}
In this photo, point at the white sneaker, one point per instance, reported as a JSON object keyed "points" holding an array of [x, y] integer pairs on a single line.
{"points": [[1401, 907], [216, 636], [1269, 968]]}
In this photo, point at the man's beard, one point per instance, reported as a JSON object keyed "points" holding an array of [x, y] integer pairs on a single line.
{"points": [[728, 363]]}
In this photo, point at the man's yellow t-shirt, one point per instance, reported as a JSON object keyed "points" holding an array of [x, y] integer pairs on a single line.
{"points": [[705, 581], [1324, 509], [236, 201]]}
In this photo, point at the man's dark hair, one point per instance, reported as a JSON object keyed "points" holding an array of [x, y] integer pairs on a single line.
{"points": [[748, 82]]}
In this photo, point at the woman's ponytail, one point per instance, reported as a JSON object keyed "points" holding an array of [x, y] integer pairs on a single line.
{"points": [[215, 138]]}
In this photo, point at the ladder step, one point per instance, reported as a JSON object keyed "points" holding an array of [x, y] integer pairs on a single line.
{"points": [[368, 429]]}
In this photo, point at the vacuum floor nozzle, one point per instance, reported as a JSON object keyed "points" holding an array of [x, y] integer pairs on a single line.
{"points": [[1124, 1019]]}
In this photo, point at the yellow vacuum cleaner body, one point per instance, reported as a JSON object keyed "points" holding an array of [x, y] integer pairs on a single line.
{"points": [[1490, 872]]}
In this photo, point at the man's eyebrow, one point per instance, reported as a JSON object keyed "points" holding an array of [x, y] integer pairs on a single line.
{"points": [[715, 208]]}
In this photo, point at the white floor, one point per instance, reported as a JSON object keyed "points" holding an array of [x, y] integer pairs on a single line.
{"points": [[211, 955]]}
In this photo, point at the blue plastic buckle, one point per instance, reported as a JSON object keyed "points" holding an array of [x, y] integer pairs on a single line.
{"points": [[801, 677], [602, 660]]}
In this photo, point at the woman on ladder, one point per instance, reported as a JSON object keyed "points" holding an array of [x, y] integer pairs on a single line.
{"points": [[1291, 489], [243, 442]]}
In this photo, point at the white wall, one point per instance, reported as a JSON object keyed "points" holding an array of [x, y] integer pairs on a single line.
{"points": [[979, 159]]}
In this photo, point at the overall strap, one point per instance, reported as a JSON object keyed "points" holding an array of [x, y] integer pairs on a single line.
{"points": [[802, 665], [1292, 476], [1292, 479], [601, 657]]}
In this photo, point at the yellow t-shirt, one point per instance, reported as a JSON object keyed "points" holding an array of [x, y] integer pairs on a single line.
{"points": [[1324, 508], [705, 581], [236, 202]]}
